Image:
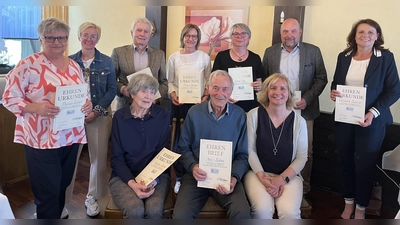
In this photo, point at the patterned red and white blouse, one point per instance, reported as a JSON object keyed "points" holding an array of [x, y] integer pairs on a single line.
{"points": [[34, 80]]}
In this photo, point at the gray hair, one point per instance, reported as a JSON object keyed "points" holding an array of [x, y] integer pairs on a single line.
{"points": [[52, 24], [220, 73], [141, 20], [142, 81], [262, 96], [87, 25], [241, 26]]}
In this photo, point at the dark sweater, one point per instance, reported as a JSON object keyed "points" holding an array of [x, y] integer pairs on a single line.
{"points": [[135, 142], [223, 61]]}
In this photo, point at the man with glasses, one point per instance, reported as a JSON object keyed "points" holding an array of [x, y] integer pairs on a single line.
{"points": [[132, 58], [302, 63]]}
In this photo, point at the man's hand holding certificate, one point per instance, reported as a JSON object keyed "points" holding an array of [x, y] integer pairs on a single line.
{"points": [[350, 107], [216, 160]]}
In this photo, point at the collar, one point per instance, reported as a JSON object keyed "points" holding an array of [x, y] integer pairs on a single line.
{"points": [[210, 110], [295, 48], [97, 56], [377, 53], [154, 112], [137, 49]]}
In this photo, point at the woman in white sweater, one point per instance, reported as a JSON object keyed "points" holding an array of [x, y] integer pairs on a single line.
{"points": [[191, 67], [277, 145]]}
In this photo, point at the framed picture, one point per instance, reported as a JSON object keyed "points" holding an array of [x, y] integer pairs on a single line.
{"points": [[215, 23]]}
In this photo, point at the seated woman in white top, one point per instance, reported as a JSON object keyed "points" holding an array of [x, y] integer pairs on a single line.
{"points": [[277, 145]]}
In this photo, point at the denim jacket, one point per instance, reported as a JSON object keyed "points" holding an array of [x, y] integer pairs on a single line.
{"points": [[103, 84]]}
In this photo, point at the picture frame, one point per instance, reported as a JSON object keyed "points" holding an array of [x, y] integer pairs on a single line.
{"points": [[215, 23]]}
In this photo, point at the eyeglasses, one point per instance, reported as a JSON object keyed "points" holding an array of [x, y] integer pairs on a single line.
{"points": [[243, 34], [194, 37], [93, 36], [51, 39], [87, 73]]}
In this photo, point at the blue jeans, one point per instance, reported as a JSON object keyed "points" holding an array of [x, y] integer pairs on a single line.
{"points": [[191, 199], [134, 208]]}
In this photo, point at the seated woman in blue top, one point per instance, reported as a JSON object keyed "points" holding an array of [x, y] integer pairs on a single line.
{"points": [[139, 132], [277, 145]]}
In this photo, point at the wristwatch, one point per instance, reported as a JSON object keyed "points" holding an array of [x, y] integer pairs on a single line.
{"points": [[286, 179]]}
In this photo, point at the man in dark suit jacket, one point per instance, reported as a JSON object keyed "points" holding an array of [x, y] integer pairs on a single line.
{"points": [[129, 59], [302, 63]]}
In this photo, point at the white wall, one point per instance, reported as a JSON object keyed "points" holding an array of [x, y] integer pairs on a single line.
{"points": [[328, 27], [115, 23]]}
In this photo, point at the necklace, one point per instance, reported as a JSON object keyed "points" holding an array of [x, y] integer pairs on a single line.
{"points": [[275, 150], [142, 116], [239, 57]]}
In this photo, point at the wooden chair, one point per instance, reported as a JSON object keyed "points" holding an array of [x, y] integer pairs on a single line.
{"points": [[211, 209], [112, 211]]}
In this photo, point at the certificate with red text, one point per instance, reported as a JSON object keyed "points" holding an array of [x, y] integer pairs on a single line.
{"points": [[215, 159], [350, 108], [70, 99]]}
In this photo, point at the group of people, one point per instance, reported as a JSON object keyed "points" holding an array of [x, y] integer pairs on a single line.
{"points": [[271, 135]]}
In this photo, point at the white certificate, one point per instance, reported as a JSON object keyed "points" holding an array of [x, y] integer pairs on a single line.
{"points": [[297, 98], [350, 108], [190, 87], [216, 160], [242, 78], [158, 165], [70, 99], [148, 72]]}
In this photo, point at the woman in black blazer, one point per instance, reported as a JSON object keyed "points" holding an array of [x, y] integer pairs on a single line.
{"points": [[364, 63]]}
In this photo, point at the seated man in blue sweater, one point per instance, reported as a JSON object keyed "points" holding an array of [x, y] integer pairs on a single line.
{"points": [[216, 119]]}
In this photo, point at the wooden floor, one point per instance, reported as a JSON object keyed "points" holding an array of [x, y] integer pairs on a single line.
{"points": [[326, 205]]}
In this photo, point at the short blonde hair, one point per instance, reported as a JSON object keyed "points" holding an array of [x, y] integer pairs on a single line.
{"points": [[87, 25], [262, 96]]}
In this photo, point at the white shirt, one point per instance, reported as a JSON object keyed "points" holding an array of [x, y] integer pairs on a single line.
{"points": [[290, 66], [196, 62], [356, 73]]}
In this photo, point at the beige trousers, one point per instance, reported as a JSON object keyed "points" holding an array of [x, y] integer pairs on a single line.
{"points": [[98, 135]]}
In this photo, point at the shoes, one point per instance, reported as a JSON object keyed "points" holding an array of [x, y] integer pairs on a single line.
{"points": [[177, 186], [305, 205], [92, 206], [64, 214]]}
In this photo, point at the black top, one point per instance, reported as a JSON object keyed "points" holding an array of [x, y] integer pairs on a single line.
{"points": [[270, 162], [223, 61]]}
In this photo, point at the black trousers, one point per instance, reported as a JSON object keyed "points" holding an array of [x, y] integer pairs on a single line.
{"points": [[358, 149], [50, 172]]}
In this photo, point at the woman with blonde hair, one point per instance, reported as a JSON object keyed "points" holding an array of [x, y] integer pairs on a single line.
{"points": [[277, 146]]}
